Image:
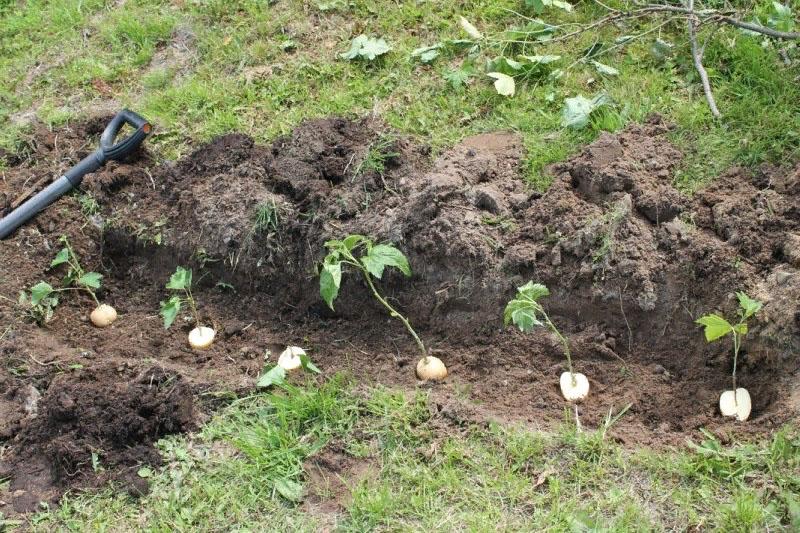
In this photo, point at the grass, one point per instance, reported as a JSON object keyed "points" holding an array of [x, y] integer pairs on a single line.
{"points": [[199, 69], [430, 477]]}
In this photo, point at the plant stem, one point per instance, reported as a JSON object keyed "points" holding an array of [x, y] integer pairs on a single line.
{"points": [[736, 345], [394, 313], [564, 342], [190, 299]]}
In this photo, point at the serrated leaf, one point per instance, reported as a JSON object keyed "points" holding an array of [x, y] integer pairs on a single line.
{"points": [[605, 69], [181, 279], [715, 326], [330, 279], [503, 84], [533, 291], [427, 54], [306, 363], [457, 78], [169, 310], [90, 279], [363, 47], [60, 258], [748, 306], [381, 256], [577, 110], [40, 291], [291, 490], [274, 376], [471, 30]]}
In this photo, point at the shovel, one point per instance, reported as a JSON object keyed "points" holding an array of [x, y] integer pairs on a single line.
{"points": [[74, 176]]}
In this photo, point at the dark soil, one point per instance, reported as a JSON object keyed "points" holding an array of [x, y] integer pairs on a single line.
{"points": [[631, 264]]}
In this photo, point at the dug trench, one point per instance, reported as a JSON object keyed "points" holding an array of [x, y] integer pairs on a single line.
{"points": [[631, 263]]}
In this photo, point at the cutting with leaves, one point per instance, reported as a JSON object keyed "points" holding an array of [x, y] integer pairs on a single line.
{"points": [[735, 402], [525, 312], [371, 260], [180, 283], [43, 297]]}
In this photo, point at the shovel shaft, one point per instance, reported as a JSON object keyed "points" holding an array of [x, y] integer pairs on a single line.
{"points": [[33, 206]]}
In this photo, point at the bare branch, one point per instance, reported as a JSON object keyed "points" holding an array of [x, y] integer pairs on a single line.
{"points": [[758, 28], [698, 59]]}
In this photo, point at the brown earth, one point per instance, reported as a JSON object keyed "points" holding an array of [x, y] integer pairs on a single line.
{"points": [[631, 264]]}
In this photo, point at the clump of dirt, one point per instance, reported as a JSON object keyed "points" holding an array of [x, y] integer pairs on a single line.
{"points": [[91, 427], [630, 261]]}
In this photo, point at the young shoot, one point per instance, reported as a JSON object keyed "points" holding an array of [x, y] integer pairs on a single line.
{"points": [[363, 255], [180, 282], [735, 402], [525, 312], [43, 297]]}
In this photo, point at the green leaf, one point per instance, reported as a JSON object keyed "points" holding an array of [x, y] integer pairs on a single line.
{"points": [[748, 306], [539, 5], [503, 84], [471, 30], [181, 279], [306, 363], [274, 376], [90, 279], [459, 77], [605, 69], [715, 326], [352, 241], [504, 65], [427, 54], [741, 329], [383, 255], [577, 110], [533, 291], [363, 47], [536, 5], [291, 490], [662, 50], [39, 292], [144, 472], [330, 279], [169, 310], [61, 258]]}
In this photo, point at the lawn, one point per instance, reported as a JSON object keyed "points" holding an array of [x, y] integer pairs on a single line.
{"points": [[333, 453]]}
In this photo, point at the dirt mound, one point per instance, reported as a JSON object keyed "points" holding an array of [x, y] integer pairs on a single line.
{"points": [[90, 427], [631, 264]]}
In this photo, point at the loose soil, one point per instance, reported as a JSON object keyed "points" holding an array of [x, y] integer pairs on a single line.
{"points": [[630, 261]]}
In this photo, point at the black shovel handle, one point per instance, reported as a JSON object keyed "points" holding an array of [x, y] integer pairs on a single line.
{"points": [[73, 177]]}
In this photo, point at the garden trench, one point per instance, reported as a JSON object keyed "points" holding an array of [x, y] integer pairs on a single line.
{"points": [[631, 263]]}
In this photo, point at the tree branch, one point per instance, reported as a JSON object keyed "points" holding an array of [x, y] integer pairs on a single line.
{"points": [[697, 55], [758, 28]]}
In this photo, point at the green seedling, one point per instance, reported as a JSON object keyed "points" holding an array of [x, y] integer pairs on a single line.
{"points": [[525, 312], [735, 402], [43, 297], [180, 282], [370, 259]]}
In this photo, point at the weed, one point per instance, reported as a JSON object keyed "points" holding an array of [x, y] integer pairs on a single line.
{"points": [[378, 154]]}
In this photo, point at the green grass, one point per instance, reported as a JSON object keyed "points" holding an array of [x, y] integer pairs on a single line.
{"points": [[427, 476], [200, 68], [236, 75]]}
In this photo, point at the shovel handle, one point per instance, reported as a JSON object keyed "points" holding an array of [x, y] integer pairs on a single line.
{"points": [[112, 150], [109, 149]]}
